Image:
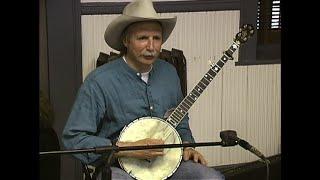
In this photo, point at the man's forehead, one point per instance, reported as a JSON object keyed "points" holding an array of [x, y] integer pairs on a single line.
{"points": [[145, 25]]}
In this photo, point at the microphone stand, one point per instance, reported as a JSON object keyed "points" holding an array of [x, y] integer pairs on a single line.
{"points": [[114, 149], [228, 137], [104, 149]]}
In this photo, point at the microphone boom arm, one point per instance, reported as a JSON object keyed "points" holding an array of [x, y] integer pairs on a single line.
{"points": [[114, 148]]}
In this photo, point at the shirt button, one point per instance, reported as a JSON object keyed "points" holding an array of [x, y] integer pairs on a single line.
{"points": [[138, 74], [151, 107]]}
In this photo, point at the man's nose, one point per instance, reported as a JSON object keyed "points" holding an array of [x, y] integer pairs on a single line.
{"points": [[150, 45]]}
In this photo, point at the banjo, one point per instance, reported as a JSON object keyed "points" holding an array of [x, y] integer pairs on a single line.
{"points": [[152, 127]]}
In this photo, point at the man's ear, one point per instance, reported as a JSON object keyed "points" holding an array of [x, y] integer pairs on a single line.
{"points": [[125, 42]]}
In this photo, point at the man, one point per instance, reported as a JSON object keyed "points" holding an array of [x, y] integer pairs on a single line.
{"points": [[138, 84]]}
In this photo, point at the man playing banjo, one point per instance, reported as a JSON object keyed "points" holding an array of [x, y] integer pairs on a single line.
{"points": [[134, 86]]}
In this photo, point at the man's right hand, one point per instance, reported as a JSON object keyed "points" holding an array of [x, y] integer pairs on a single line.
{"points": [[141, 154]]}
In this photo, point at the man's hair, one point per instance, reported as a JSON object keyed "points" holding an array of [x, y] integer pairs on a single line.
{"points": [[124, 35], [123, 49]]}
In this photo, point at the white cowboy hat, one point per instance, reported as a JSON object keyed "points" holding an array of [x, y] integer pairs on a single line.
{"points": [[136, 11]]}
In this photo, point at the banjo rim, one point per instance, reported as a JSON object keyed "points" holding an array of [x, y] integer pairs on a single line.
{"points": [[154, 118]]}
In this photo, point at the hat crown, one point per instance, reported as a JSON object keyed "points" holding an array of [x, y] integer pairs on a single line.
{"points": [[140, 8], [136, 11]]}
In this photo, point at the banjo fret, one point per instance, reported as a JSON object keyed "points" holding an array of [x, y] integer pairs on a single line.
{"points": [[212, 73], [220, 63], [188, 103], [207, 81], [202, 83], [195, 92], [175, 119], [185, 104], [208, 74], [190, 100], [200, 88], [176, 116], [216, 68], [193, 97], [183, 107], [180, 112]]}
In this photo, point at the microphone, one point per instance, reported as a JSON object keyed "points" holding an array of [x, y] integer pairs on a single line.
{"points": [[229, 138]]}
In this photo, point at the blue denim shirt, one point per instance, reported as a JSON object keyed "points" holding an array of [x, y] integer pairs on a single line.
{"points": [[112, 96]]}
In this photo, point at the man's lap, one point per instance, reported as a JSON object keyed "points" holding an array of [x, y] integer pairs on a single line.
{"points": [[191, 170], [186, 170]]}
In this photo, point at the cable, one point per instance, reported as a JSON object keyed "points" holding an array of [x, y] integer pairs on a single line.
{"points": [[267, 162]]}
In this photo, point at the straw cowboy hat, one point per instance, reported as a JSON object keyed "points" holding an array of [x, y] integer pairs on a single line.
{"points": [[136, 11]]}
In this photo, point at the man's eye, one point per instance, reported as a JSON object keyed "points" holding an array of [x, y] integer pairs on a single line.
{"points": [[157, 37], [142, 38]]}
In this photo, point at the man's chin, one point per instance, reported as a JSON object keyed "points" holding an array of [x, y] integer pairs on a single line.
{"points": [[148, 60]]}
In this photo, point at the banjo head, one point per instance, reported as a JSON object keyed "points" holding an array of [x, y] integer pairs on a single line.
{"points": [[160, 167]]}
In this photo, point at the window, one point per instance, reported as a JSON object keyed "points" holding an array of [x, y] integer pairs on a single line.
{"points": [[275, 20], [267, 45], [272, 19]]}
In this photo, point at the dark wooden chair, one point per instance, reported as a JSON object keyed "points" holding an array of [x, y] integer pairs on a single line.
{"points": [[49, 166]]}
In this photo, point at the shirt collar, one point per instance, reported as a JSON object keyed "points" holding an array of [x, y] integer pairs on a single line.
{"points": [[133, 71]]}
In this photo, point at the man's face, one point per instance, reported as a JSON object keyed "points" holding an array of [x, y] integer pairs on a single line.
{"points": [[143, 42]]}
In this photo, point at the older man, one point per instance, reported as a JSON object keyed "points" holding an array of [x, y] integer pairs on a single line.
{"points": [[136, 85]]}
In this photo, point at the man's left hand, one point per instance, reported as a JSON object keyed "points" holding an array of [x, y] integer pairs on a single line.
{"points": [[190, 153]]}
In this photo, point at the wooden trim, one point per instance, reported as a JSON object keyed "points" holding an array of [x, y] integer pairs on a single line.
{"points": [[43, 49], [258, 62], [161, 7], [65, 68], [248, 15], [78, 41], [77, 54]]}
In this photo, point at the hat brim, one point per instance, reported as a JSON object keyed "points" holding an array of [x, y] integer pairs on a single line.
{"points": [[114, 31]]}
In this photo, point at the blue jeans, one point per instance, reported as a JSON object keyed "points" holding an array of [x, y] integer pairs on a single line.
{"points": [[186, 170]]}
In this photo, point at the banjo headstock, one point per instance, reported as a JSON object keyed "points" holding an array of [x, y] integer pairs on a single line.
{"points": [[245, 32]]}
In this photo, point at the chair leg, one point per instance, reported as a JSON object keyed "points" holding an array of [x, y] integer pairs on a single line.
{"points": [[87, 171]]}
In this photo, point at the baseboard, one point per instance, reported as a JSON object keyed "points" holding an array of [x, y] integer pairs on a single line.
{"points": [[252, 170]]}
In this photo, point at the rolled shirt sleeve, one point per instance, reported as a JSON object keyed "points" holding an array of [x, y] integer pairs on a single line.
{"points": [[81, 128]]}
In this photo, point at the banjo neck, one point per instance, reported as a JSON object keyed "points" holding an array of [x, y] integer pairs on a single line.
{"points": [[181, 110]]}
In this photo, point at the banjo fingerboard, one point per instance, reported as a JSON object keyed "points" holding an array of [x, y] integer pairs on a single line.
{"points": [[181, 110]]}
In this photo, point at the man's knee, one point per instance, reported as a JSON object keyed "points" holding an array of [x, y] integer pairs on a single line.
{"points": [[191, 170], [117, 173]]}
